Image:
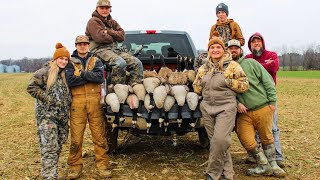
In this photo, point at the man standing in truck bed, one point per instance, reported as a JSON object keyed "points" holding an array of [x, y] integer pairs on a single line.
{"points": [[104, 33], [227, 28]]}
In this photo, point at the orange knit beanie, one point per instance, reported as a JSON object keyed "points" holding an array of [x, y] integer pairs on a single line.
{"points": [[216, 40], [60, 52]]}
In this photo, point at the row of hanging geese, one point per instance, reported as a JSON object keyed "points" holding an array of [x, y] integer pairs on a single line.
{"points": [[159, 89]]}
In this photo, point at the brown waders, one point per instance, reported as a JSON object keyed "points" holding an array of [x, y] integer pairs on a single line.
{"points": [[219, 108], [259, 120], [85, 108]]}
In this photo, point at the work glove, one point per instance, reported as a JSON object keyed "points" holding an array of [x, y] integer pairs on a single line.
{"points": [[77, 72]]}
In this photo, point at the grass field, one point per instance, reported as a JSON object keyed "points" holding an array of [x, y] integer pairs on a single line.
{"points": [[299, 74], [155, 157]]}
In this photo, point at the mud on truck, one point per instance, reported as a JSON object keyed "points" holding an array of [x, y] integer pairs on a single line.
{"points": [[167, 105]]}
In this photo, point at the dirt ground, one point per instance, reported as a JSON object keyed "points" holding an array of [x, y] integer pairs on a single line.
{"points": [[150, 157]]}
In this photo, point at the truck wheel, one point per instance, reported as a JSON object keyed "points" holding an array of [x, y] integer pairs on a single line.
{"points": [[203, 138], [112, 138]]}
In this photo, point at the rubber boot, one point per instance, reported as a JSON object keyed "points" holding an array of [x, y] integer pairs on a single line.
{"points": [[263, 167], [270, 152], [281, 163], [250, 159]]}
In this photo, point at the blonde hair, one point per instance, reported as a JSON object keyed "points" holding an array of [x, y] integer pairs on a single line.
{"points": [[220, 60], [53, 75]]}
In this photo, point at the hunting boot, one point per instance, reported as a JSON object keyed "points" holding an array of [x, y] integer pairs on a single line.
{"points": [[281, 163], [263, 167], [270, 152], [250, 159]]}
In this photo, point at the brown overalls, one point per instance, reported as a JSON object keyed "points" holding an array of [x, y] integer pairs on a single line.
{"points": [[85, 108], [219, 108]]}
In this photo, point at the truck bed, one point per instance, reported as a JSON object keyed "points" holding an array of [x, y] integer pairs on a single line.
{"points": [[173, 113]]}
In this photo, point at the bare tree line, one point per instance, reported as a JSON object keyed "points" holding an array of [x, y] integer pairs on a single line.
{"points": [[294, 59], [27, 65], [290, 59]]}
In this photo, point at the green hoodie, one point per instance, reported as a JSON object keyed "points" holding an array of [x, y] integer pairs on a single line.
{"points": [[262, 91]]}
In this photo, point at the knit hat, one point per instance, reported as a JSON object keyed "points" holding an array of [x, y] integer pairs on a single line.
{"points": [[103, 3], [82, 39], [60, 52], [216, 40], [222, 7]]}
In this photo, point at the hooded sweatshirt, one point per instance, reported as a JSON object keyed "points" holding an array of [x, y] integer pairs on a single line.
{"points": [[103, 32], [234, 28], [262, 91], [272, 67]]}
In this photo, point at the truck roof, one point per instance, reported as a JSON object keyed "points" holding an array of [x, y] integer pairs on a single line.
{"points": [[187, 43], [157, 31]]}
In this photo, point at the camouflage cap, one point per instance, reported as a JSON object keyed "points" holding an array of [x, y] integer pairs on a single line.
{"points": [[255, 36], [234, 42], [82, 39], [103, 3]]}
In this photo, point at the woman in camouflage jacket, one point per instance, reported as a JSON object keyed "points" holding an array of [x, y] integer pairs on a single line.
{"points": [[218, 81], [48, 85]]}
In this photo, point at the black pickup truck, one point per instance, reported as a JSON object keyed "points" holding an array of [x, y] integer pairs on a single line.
{"points": [[168, 44]]}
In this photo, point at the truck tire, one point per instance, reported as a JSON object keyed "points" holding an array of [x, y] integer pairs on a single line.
{"points": [[203, 138]]}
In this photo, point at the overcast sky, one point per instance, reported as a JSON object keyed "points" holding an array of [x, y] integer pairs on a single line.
{"points": [[31, 28]]}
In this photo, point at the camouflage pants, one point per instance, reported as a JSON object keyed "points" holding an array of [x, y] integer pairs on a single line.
{"points": [[53, 131], [122, 62]]}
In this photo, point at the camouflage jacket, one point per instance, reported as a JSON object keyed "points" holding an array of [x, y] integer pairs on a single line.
{"points": [[38, 83], [57, 96], [231, 25], [235, 77]]}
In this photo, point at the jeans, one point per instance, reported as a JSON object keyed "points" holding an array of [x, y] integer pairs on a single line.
{"points": [[276, 135]]}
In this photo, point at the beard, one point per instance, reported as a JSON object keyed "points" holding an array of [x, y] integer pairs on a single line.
{"points": [[257, 53], [236, 57]]}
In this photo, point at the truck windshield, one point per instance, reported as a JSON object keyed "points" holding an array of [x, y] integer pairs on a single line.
{"points": [[168, 45]]}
